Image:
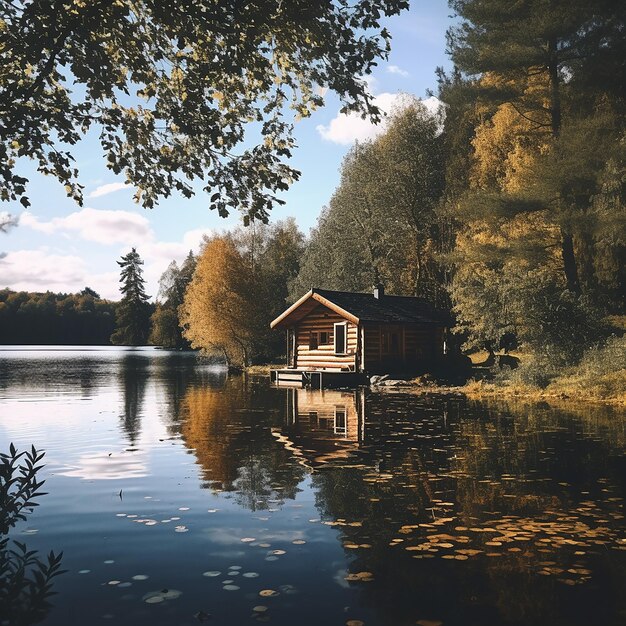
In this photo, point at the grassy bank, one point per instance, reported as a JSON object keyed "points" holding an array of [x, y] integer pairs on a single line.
{"points": [[600, 377]]}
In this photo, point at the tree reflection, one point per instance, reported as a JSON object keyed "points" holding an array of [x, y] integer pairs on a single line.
{"points": [[25, 579], [134, 376], [229, 431]]}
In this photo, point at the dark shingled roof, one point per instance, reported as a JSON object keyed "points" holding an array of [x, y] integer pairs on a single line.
{"points": [[390, 309]]}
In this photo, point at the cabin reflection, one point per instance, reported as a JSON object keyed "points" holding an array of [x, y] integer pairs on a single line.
{"points": [[322, 426]]}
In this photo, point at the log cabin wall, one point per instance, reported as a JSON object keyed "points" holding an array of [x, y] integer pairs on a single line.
{"points": [[322, 320], [413, 346]]}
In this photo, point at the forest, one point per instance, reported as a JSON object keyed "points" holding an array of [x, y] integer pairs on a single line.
{"points": [[506, 208]]}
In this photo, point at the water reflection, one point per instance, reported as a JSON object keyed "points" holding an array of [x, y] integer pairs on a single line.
{"points": [[382, 507], [322, 426], [227, 432], [467, 505]]}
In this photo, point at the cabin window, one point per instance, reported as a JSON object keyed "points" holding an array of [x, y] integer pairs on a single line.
{"points": [[341, 343], [313, 341], [324, 338], [340, 420]]}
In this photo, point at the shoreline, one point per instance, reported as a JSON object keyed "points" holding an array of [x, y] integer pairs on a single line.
{"points": [[480, 390]]}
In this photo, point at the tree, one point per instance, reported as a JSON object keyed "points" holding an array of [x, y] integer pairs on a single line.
{"points": [[217, 313], [133, 311], [88, 291], [55, 318], [381, 224], [240, 285], [173, 86], [166, 328], [553, 48], [535, 207]]}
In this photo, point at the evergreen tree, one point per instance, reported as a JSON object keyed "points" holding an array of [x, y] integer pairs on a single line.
{"points": [[133, 311]]}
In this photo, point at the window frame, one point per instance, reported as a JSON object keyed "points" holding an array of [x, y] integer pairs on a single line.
{"points": [[313, 340], [340, 427], [345, 338]]}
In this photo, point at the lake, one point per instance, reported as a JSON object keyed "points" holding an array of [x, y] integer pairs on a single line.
{"points": [[180, 495]]}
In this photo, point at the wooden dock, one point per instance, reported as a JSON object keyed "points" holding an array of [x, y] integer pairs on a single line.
{"points": [[316, 378]]}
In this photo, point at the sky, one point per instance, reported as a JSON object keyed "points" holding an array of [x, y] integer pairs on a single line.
{"points": [[61, 247]]}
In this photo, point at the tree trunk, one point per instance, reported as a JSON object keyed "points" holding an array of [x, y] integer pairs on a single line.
{"points": [[555, 95], [225, 355], [569, 262]]}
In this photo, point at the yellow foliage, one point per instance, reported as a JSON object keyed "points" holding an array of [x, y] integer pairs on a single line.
{"points": [[216, 310], [507, 143]]}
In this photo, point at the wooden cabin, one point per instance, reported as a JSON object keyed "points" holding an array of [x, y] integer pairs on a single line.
{"points": [[332, 332]]}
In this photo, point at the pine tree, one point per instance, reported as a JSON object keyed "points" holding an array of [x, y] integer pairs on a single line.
{"points": [[133, 312]]}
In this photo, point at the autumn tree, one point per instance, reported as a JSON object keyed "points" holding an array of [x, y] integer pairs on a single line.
{"points": [[239, 286], [133, 311], [545, 135], [531, 60], [172, 87]]}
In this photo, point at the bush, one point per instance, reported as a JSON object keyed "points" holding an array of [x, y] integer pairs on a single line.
{"points": [[537, 371], [601, 373], [558, 324]]}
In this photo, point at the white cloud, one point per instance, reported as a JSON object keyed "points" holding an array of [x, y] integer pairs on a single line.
{"points": [[394, 69], [38, 270], [345, 129], [102, 226], [104, 190], [433, 104]]}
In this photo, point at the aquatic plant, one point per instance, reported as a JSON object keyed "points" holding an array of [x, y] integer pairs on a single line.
{"points": [[25, 579]]}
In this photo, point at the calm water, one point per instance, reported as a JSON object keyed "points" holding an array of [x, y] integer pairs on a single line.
{"points": [[179, 495]]}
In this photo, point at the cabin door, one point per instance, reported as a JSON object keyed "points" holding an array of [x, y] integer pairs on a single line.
{"points": [[391, 344]]}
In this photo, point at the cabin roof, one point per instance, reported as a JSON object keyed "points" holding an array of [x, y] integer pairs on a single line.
{"points": [[364, 307]]}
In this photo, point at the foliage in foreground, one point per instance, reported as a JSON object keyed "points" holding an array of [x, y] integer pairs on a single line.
{"points": [[25, 579], [172, 87]]}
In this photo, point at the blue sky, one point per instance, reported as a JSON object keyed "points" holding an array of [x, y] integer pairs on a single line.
{"points": [[58, 246]]}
